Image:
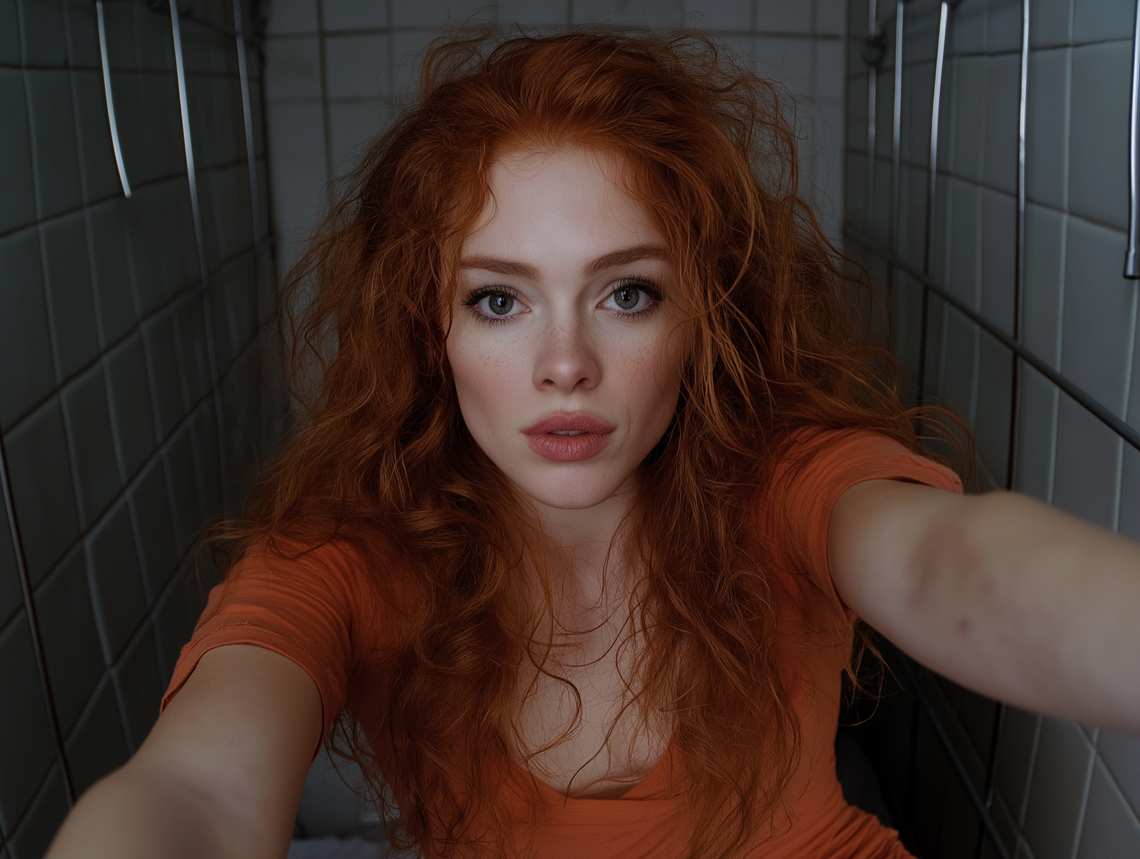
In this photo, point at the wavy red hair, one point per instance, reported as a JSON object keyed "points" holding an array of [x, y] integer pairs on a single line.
{"points": [[381, 459]]}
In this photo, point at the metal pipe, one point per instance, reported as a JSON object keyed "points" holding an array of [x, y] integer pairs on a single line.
{"points": [[896, 125], [1131, 260], [110, 99], [1096, 409], [203, 269], [872, 98], [34, 626]]}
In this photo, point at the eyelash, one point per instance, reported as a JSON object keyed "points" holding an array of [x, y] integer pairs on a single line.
{"points": [[646, 286]]}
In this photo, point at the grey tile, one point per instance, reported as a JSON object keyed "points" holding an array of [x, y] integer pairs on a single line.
{"points": [[9, 34], [829, 77], [965, 224], [18, 202], [1129, 519], [1098, 136], [26, 746], [830, 17], [1110, 826], [43, 33], [353, 125], [39, 469], [1016, 746], [36, 830], [97, 745], [174, 619], [160, 239], [299, 172], [357, 65], [1003, 26], [1005, 824], [228, 212], [131, 408], [190, 338], [116, 580], [91, 443], [354, 15], [70, 638], [1044, 282], [150, 511], [100, 173], [408, 49], [1098, 312], [788, 62], [292, 16], [998, 238], [1003, 99], [114, 287], [82, 35], [11, 594], [154, 49], [783, 17], [1047, 135], [993, 408], [914, 145], [968, 132], [556, 13], [138, 686], [241, 300], [120, 29], [968, 27], [1033, 467], [165, 376], [960, 371], [1088, 459], [182, 483], [1121, 754], [70, 298], [1061, 772], [53, 141], [433, 13], [1051, 23], [25, 340], [292, 68], [207, 463], [1102, 20]]}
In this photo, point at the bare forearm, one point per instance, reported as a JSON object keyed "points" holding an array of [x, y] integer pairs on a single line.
{"points": [[1032, 606], [140, 812]]}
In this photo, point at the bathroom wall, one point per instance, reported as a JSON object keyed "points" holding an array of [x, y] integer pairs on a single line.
{"points": [[336, 67], [131, 399], [1008, 305]]}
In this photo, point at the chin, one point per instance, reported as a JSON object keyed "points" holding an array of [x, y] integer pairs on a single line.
{"points": [[573, 494]]}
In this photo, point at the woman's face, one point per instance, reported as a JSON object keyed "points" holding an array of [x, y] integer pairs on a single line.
{"points": [[566, 362]]}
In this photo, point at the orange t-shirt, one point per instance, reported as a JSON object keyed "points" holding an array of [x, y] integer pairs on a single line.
{"points": [[320, 612]]}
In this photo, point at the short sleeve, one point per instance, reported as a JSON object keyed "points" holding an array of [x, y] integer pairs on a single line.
{"points": [[808, 482], [298, 607]]}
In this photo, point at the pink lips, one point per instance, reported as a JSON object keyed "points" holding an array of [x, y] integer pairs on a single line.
{"points": [[568, 437]]}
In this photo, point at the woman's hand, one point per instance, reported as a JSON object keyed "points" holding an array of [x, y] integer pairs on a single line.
{"points": [[999, 592], [219, 776]]}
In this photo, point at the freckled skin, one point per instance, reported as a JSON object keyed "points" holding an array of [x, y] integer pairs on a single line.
{"points": [[566, 346]]}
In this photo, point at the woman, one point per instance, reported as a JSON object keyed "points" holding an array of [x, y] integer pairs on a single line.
{"points": [[595, 479]]}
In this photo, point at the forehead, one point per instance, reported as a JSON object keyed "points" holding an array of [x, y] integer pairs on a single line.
{"points": [[554, 196]]}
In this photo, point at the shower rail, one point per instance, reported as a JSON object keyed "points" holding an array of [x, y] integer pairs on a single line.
{"points": [[1132, 256], [110, 99]]}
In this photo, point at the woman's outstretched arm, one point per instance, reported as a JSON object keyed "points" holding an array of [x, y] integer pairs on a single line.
{"points": [[999, 592], [219, 776]]}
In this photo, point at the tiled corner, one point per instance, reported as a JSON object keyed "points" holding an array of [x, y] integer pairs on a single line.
{"points": [[116, 580], [18, 202], [965, 218], [53, 141], [1098, 136], [1121, 754], [1003, 99], [293, 68], [26, 747], [43, 33], [1047, 128], [357, 65], [91, 443], [959, 370], [1057, 791], [1088, 462], [131, 408], [299, 172], [70, 298], [969, 90], [25, 339], [96, 745], [138, 686], [353, 125], [1050, 23], [1110, 827], [39, 468], [70, 638], [1099, 312], [998, 271], [39, 825]]}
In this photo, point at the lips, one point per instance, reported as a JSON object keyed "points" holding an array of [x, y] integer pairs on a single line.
{"points": [[569, 437]]}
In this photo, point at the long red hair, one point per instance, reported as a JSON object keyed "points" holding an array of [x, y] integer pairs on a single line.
{"points": [[380, 457]]}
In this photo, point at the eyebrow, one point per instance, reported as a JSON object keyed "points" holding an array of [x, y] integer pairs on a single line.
{"points": [[512, 268]]}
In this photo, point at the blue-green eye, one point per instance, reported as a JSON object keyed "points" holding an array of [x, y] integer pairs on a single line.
{"points": [[494, 303], [633, 297], [627, 297], [500, 304]]}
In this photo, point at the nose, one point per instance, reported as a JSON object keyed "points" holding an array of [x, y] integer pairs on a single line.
{"points": [[566, 360]]}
